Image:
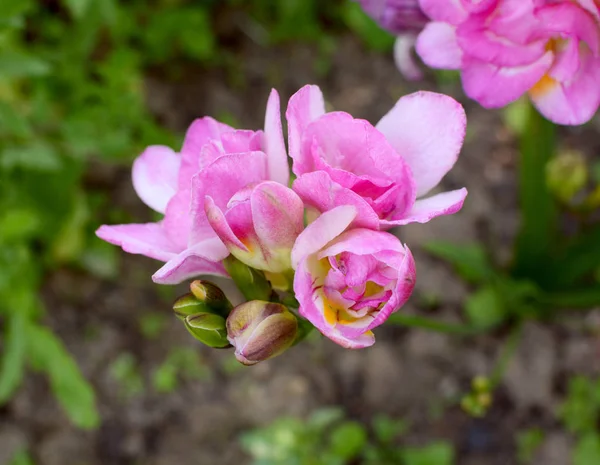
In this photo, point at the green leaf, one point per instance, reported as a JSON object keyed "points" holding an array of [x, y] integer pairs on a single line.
{"points": [[470, 260], [587, 450], [12, 368], [78, 8], [15, 64], [75, 394], [18, 224], [12, 122], [367, 29], [582, 406], [348, 440], [528, 442], [437, 453], [37, 156], [22, 457], [485, 308], [387, 429], [11, 8]]}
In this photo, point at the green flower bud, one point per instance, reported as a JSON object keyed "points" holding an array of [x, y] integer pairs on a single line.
{"points": [[566, 175], [212, 296], [252, 283], [188, 305], [208, 328], [260, 330]]}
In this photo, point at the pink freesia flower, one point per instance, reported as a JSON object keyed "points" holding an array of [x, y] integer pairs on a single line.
{"points": [[216, 161], [405, 19], [380, 170], [350, 282], [549, 49]]}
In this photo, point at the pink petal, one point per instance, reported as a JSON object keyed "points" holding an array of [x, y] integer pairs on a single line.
{"points": [[323, 230], [318, 190], [221, 180], [404, 59], [154, 176], [274, 145], [566, 62], [574, 102], [312, 308], [448, 11], [438, 47], [147, 239], [477, 40], [200, 132], [177, 222], [427, 130], [240, 140], [278, 215], [362, 242], [304, 106], [203, 259], [446, 203], [220, 225], [495, 87]]}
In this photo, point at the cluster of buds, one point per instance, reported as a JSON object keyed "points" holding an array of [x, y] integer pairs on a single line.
{"points": [[257, 329]]}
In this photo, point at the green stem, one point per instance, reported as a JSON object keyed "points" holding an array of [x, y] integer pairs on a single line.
{"points": [[510, 346], [432, 325], [539, 214]]}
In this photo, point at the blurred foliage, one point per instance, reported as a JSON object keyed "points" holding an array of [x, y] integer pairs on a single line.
{"points": [[328, 438], [72, 93]]}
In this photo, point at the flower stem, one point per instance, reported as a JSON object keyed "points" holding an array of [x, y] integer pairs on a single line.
{"points": [[510, 346]]}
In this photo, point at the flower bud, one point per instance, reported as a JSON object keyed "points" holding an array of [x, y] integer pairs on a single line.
{"points": [[260, 330], [208, 328], [397, 16], [187, 305], [252, 283], [566, 175], [212, 296]]}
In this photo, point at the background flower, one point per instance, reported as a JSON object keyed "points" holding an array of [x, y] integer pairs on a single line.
{"points": [[506, 48]]}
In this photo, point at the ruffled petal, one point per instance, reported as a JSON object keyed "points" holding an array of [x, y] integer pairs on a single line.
{"points": [[154, 176], [446, 203], [274, 145], [437, 46], [149, 239]]}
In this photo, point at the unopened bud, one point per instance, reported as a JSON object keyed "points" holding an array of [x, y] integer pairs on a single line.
{"points": [[188, 305], [566, 175], [212, 296], [260, 330], [208, 328], [252, 283]]}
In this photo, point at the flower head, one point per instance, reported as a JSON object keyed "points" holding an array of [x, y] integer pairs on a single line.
{"points": [[381, 170], [215, 161], [397, 16], [350, 282], [548, 49]]}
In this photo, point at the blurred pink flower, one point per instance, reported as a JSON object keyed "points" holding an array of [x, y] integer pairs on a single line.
{"points": [[350, 282], [379, 170], [549, 49], [405, 19], [215, 161]]}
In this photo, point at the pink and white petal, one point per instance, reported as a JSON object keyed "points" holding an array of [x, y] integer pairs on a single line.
{"points": [[322, 231], [362, 242], [449, 11], [241, 140], [424, 210], [427, 129], [407, 278], [177, 222], [278, 215], [304, 106], [318, 190], [478, 6], [149, 239], [154, 176], [566, 62], [200, 132], [312, 308], [204, 259], [221, 227], [221, 180], [404, 58], [274, 144], [438, 47], [494, 87], [573, 103]]}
